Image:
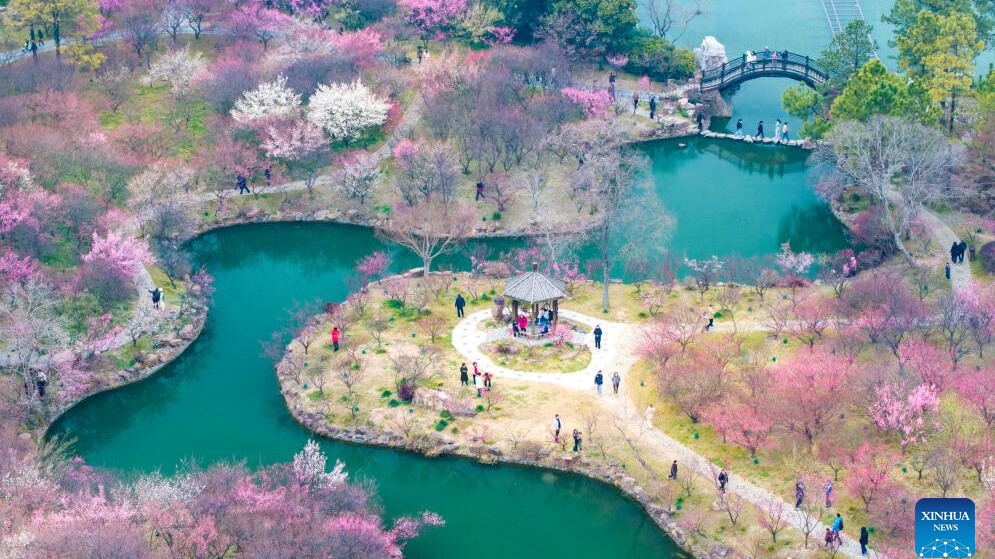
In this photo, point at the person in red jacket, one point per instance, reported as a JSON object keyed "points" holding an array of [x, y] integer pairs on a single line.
{"points": [[335, 337]]}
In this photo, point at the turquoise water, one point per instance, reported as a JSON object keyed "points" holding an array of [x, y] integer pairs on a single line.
{"points": [[736, 198]]}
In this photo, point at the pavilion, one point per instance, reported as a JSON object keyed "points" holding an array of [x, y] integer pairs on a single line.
{"points": [[534, 288]]}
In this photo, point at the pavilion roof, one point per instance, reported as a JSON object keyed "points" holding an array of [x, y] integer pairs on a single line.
{"points": [[534, 287]]}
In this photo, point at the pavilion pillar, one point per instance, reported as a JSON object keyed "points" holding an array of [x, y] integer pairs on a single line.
{"points": [[514, 312], [535, 316], [556, 312]]}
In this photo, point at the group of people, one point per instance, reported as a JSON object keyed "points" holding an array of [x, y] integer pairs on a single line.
{"points": [[577, 435], [781, 130], [635, 96], [599, 381], [765, 55], [957, 251], [800, 493], [481, 381], [544, 321]]}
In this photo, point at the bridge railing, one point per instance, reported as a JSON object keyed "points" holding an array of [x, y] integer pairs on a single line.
{"points": [[794, 63]]}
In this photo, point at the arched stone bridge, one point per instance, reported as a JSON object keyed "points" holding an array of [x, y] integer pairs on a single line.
{"points": [[795, 66]]}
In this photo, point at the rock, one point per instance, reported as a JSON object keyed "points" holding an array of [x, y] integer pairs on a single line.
{"points": [[150, 360], [710, 54], [253, 213], [352, 214], [322, 215], [187, 333]]}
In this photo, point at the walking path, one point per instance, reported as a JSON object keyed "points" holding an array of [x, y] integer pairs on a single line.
{"points": [[960, 273], [618, 353]]}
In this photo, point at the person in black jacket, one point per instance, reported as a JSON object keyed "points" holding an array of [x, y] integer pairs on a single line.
{"points": [[597, 337], [460, 303], [864, 537], [464, 377]]}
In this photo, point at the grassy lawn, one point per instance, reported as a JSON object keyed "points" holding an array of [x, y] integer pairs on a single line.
{"points": [[538, 359]]}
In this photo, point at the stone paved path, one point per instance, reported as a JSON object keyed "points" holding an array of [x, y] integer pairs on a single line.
{"points": [[618, 353]]}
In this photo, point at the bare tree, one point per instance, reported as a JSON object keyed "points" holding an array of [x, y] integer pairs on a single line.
{"points": [[810, 515], [773, 516], [733, 506], [946, 469], [903, 166], [31, 327], [535, 184], [429, 229], [688, 477], [143, 322], [304, 323], [377, 325], [433, 326], [664, 15], [629, 219], [493, 397], [350, 374], [413, 367]]}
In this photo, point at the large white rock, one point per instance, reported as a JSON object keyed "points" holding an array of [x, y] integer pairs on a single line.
{"points": [[710, 54]]}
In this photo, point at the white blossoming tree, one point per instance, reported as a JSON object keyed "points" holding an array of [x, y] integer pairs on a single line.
{"points": [[358, 175], [270, 99], [309, 468], [346, 110], [178, 68]]}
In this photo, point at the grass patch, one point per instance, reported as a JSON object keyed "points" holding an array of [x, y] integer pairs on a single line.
{"points": [[538, 359]]}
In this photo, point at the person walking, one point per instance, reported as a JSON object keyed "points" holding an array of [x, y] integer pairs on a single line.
{"points": [[777, 131], [799, 493], [962, 250], [946, 270], [616, 380], [784, 132], [653, 107], [635, 102], [487, 379], [599, 380], [464, 376], [577, 440], [268, 174], [480, 190], [828, 538], [420, 53], [828, 490], [760, 130], [864, 537], [953, 252], [739, 128], [557, 425], [673, 471], [41, 381], [597, 336], [838, 524], [478, 383], [460, 303], [970, 251], [156, 294], [335, 338], [723, 480], [242, 184], [700, 117]]}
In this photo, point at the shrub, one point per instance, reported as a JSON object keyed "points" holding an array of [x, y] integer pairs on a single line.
{"points": [[386, 394], [987, 256], [393, 403], [445, 414], [496, 216], [441, 425], [406, 391], [660, 60]]}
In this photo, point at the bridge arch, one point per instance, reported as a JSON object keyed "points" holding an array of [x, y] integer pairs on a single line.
{"points": [[795, 66]]}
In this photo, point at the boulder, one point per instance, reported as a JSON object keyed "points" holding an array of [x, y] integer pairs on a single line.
{"points": [[187, 332], [710, 54]]}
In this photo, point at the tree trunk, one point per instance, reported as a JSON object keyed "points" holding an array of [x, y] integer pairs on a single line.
{"points": [[604, 276], [426, 265], [57, 37]]}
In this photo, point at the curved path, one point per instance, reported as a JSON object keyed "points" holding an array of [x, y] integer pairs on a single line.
{"points": [[618, 354]]}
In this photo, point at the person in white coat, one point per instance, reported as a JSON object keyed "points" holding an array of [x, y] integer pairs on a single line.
{"points": [[478, 381]]}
